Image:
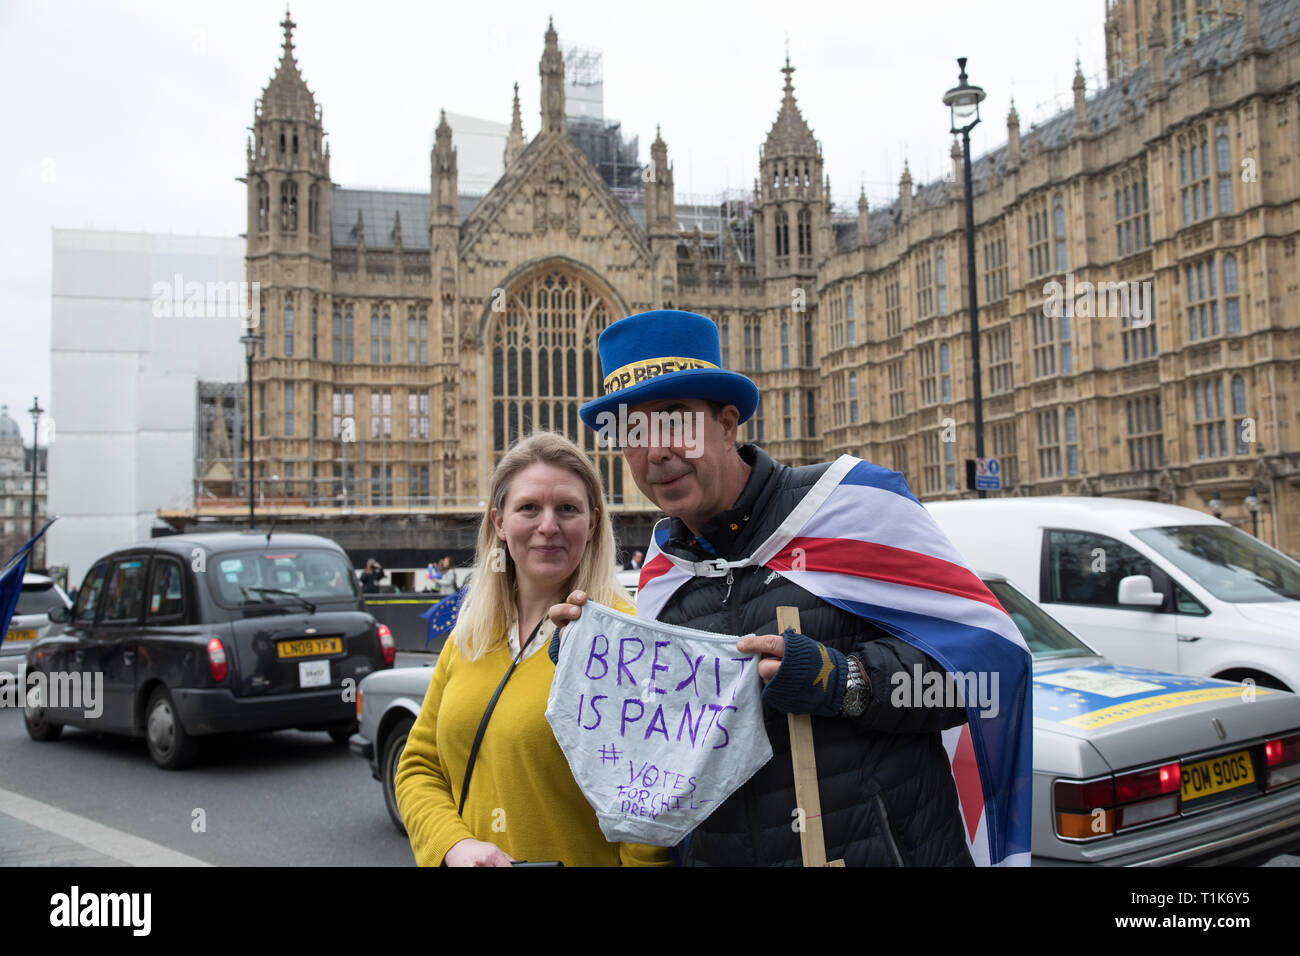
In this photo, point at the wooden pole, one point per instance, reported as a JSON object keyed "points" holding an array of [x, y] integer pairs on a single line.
{"points": [[812, 838]]}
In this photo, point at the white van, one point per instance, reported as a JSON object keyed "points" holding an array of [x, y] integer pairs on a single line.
{"points": [[1146, 584]]}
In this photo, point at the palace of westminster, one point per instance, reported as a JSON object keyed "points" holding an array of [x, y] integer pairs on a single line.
{"points": [[409, 337]]}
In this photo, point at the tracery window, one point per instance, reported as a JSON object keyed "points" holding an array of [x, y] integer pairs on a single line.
{"points": [[538, 378]]}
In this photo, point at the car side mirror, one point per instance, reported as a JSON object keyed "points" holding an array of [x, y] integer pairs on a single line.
{"points": [[1137, 589], [60, 615]]}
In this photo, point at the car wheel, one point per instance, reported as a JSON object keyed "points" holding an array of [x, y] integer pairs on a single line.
{"points": [[394, 744], [39, 726], [170, 746], [341, 733]]}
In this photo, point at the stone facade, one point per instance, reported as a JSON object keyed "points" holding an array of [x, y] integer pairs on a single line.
{"points": [[432, 329], [16, 491]]}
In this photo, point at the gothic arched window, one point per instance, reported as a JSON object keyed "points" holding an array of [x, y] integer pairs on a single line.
{"points": [[263, 206], [289, 206], [550, 317], [1058, 227], [313, 209], [288, 326]]}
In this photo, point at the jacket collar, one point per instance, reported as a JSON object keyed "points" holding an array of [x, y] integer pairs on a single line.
{"points": [[725, 534]]}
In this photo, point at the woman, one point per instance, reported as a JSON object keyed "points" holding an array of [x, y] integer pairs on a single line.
{"points": [[544, 535], [446, 575]]}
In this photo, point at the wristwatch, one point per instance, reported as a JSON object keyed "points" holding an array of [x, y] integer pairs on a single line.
{"points": [[854, 701]]}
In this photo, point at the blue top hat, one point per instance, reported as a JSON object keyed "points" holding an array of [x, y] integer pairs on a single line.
{"points": [[665, 354]]}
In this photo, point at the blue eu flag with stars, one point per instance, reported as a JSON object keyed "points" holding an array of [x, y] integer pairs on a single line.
{"points": [[11, 580], [442, 616]]}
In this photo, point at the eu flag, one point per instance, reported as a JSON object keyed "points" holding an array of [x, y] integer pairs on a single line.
{"points": [[11, 580], [442, 616]]}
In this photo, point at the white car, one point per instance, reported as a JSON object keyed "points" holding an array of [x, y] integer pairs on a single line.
{"points": [[1138, 767], [1146, 584], [31, 620], [1131, 766], [630, 580]]}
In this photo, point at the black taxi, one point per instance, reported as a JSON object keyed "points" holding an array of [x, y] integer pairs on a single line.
{"points": [[181, 637]]}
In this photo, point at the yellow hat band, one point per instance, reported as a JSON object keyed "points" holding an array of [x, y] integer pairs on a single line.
{"points": [[647, 369]]}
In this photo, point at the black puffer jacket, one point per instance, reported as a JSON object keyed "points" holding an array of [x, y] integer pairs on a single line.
{"points": [[887, 792]]}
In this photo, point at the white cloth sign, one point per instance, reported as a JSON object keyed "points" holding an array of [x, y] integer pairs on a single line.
{"points": [[659, 723]]}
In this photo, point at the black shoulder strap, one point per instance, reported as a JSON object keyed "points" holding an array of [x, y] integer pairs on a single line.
{"points": [[487, 715]]}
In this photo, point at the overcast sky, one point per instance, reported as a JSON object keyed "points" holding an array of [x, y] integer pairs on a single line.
{"points": [[133, 115]]}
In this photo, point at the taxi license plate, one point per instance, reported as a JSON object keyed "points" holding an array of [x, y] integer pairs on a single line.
{"points": [[27, 634], [309, 647], [1206, 778]]}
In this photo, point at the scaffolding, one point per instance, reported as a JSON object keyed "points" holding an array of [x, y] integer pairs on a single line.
{"points": [[583, 67], [602, 142]]}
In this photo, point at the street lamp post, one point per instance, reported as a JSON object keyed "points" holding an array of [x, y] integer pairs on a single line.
{"points": [[250, 342], [35, 412], [963, 101], [1252, 505]]}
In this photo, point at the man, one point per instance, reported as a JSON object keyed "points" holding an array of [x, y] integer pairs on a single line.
{"points": [[886, 783], [635, 563], [372, 576]]}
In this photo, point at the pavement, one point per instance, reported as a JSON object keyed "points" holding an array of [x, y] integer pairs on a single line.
{"points": [[33, 833]]}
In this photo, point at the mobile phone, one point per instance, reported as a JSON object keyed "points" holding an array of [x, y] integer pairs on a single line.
{"points": [[538, 863]]}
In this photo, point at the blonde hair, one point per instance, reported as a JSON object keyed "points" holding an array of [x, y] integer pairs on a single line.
{"points": [[490, 608]]}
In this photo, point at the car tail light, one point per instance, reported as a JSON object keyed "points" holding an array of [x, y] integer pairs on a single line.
{"points": [[386, 647], [1098, 808], [1282, 756], [216, 659], [358, 703]]}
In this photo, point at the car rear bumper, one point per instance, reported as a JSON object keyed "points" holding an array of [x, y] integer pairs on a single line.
{"points": [[1241, 834], [364, 749], [216, 711]]}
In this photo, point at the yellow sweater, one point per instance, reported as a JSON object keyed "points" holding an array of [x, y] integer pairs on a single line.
{"points": [[522, 796]]}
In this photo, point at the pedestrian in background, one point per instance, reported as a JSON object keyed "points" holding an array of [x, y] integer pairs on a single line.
{"points": [[370, 578]]}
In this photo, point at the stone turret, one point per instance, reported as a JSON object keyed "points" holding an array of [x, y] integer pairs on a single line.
{"points": [[864, 219], [551, 70], [1013, 138], [792, 229], [515, 141], [1080, 101]]}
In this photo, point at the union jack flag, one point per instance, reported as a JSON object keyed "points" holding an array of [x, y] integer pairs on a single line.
{"points": [[861, 541]]}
